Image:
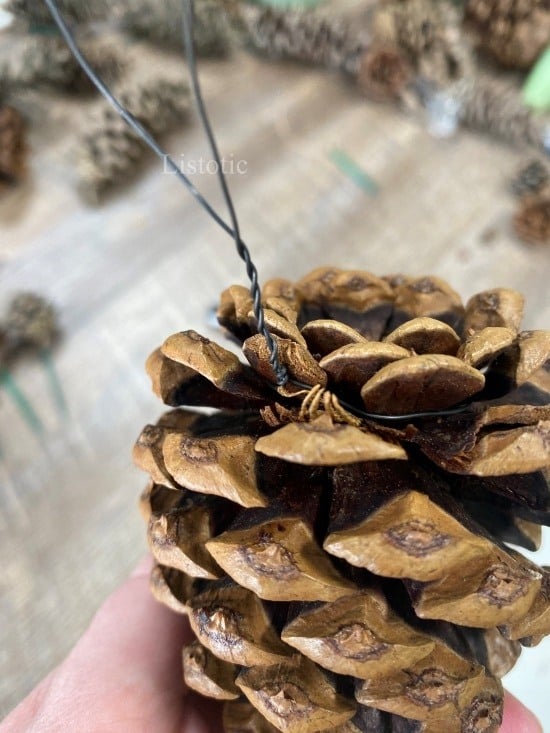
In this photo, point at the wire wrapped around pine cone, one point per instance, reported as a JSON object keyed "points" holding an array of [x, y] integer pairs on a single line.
{"points": [[13, 147], [343, 571], [513, 32]]}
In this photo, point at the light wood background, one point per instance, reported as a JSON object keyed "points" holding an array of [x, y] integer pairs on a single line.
{"points": [[150, 262]]}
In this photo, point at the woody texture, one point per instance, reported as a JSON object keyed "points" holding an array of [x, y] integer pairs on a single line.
{"points": [[346, 546]]}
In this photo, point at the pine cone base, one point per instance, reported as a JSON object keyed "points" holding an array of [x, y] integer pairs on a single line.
{"points": [[339, 544]]}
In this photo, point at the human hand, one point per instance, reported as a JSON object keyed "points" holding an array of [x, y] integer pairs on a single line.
{"points": [[124, 676]]}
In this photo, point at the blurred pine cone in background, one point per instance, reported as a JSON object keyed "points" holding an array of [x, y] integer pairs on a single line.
{"points": [[77, 11], [31, 322], [160, 22], [343, 570], [513, 32], [13, 147]]}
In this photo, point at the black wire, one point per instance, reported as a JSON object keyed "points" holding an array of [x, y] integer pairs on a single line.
{"points": [[279, 369], [281, 373], [127, 116], [358, 412]]}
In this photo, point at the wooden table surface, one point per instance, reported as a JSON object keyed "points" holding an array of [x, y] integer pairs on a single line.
{"points": [[150, 262]]}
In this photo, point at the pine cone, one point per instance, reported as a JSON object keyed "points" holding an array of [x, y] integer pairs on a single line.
{"points": [[513, 32], [429, 35], [34, 60], [109, 150], [341, 571], [305, 36], [160, 22], [12, 146], [532, 219], [31, 323], [531, 178], [76, 11], [384, 72], [496, 107]]}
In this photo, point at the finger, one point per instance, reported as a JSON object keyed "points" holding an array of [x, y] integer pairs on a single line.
{"points": [[124, 674], [517, 718]]}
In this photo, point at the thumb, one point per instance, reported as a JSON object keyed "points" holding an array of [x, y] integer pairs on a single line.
{"points": [[517, 719], [124, 674]]}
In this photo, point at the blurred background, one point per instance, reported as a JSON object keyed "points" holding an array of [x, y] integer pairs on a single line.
{"points": [[395, 173]]}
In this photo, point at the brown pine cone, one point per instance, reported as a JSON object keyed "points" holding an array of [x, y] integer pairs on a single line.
{"points": [[76, 11], [31, 322], [429, 35], [12, 146], [513, 32], [159, 22], [531, 178], [339, 548], [109, 150], [496, 107], [384, 72], [34, 60], [532, 219], [305, 36]]}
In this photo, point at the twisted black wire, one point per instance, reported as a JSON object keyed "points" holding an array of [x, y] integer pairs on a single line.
{"points": [[280, 371], [243, 251]]}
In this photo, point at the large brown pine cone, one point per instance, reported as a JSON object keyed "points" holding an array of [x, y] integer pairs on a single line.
{"points": [[514, 32], [343, 571]]}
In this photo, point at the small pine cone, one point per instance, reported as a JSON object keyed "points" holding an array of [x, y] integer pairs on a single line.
{"points": [[429, 34], [37, 59], [532, 219], [513, 32], [531, 178], [160, 22], [109, 150], [12, 146], [348, 568], [497, 108], [31, 323], [305, 36], [384, 72], [35, 12]]}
